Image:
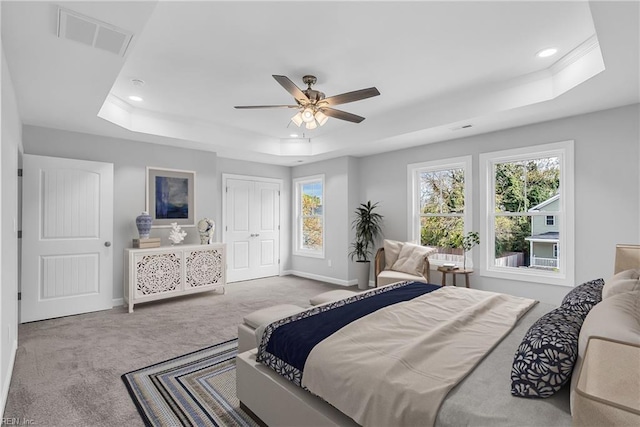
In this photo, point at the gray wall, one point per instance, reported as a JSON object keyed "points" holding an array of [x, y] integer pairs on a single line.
{"points": [[10, 148], [607, 188], [353, 202], [261, 170], [130, 159], [337, 223]]}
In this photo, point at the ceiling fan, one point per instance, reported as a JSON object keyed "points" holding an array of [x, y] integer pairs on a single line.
{"points": [[313, 108]]}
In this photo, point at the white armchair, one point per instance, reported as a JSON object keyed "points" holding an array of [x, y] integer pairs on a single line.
{"points": [[397, 261]]}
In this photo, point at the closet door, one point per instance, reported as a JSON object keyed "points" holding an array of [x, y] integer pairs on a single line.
{"points": [[252, 229]]}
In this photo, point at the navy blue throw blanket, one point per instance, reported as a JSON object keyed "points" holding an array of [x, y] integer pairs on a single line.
{"points": [[286, 344]]}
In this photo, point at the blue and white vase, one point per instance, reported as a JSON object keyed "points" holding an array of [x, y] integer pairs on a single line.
{"points": [[143, 222]]}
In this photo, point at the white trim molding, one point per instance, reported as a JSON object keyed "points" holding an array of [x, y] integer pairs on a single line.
{"points": [[413, 194], [321, 278], [297, 224], [564, 217]]}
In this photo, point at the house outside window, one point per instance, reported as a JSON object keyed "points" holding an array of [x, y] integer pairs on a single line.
{"points": [[309, 216], [527, 197], [440, 208]]}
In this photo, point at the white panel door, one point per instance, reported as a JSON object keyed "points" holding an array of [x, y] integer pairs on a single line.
{"points": [[67, 229], [252, 230]]}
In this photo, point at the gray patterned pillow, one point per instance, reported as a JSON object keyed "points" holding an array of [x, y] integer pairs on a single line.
{"points": [[584, 297], [544, 361]]}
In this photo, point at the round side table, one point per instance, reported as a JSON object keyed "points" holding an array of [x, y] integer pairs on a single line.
{"points": [[454, 273]]}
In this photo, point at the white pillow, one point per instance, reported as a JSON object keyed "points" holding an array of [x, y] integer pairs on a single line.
{"points": [[411, 258], [616, 318], [625, 281], [391, 251]]}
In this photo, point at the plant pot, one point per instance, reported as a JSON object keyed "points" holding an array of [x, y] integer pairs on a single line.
{"points": [[362, 270]]}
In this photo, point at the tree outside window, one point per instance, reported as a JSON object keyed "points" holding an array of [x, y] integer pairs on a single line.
{"points": [[309, 213], [440, 207], [526, 198], [520, 186], [312, 216]]}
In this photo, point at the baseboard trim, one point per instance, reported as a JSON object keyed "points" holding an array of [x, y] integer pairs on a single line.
{"points": [[7, 379], [320, 278], [117, 302]]}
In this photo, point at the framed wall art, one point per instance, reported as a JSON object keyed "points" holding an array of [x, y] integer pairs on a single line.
{"points": [[171, 196]]}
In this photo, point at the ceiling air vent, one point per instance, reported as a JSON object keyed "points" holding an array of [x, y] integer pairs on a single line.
{"points": [[467, 126], [80, 28]]}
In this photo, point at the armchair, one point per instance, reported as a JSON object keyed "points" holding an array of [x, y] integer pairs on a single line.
{"points": [[398, 261]]}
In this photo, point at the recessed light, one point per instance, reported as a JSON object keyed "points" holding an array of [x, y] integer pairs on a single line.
{"points": [[547, 52], [135, 98], [293, 135]]}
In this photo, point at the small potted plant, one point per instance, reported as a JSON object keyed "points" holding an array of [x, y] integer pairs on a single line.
{"points": [[470, 239], [367, 225]]}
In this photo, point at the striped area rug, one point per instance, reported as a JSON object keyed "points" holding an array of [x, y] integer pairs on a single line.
{"points": [[197, 389]]}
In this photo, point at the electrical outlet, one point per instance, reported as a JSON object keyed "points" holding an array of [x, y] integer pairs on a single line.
{"points": [[329, 263]]}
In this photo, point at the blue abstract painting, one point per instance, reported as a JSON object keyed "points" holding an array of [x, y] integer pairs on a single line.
{"points": [[172, 197]]}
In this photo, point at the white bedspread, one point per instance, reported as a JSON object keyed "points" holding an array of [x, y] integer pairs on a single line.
{"points": [[395, 366]]}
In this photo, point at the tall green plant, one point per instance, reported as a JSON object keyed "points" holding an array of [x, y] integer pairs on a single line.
{"points": [[367, 225]]}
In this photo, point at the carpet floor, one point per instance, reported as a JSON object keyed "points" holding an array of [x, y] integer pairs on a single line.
{"points": [[67, 370]]}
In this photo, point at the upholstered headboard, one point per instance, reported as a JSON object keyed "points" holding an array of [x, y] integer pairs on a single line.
{"points": [[627, 257]]}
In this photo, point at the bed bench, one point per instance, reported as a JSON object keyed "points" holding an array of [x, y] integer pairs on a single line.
{"points": [[331, 296], [247, 330]]}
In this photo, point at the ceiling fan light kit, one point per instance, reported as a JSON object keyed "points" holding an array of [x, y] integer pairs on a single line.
{"points": [[297, 119], [313, 107]]}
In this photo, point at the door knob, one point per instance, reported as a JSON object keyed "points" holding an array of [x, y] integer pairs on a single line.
{"points": [[107, 244]]}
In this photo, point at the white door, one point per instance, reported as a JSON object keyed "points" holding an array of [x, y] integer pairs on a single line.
{"points": [[67, 229], [252, 229]]}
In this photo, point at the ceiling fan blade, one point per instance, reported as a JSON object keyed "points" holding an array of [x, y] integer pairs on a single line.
{"points": [[356, 95], [291, 87], [342, 115], [246, 107]]}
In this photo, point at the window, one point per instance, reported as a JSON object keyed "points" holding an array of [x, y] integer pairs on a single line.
{"points": [[309, 215], [527, 197], [440, 211]]}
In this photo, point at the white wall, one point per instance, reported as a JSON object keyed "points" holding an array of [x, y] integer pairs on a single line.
{"points": [[130, 159], [239, 167], [11, 146], [607, 188], [337, 223]]}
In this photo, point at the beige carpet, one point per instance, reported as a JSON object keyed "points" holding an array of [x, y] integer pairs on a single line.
{"points": [[67, 370]]}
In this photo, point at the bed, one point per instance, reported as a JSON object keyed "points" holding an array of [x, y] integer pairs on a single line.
{"points": [[480, 397]]}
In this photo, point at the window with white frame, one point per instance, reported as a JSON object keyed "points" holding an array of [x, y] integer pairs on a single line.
{"points": [[527, 198], [440, 206], [309, 216]]}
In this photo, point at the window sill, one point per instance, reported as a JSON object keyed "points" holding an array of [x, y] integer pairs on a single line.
{"points": [[309, 254], [528, 275]]}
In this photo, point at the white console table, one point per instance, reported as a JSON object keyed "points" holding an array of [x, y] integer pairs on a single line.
{"points": [[170, 271]]}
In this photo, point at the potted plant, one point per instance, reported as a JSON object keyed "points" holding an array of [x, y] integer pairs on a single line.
{"points": [[367, 227], [470, 239]]}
